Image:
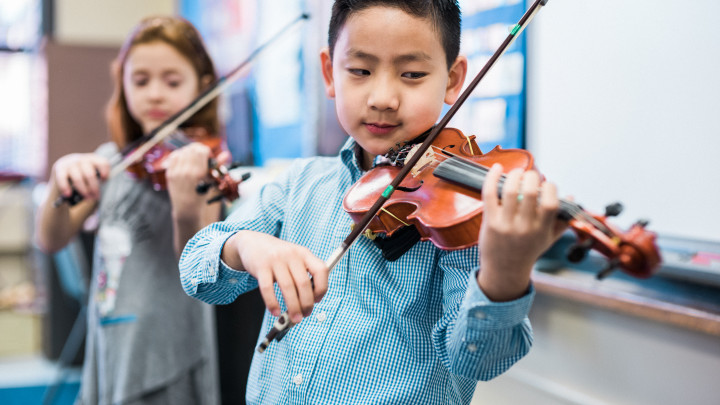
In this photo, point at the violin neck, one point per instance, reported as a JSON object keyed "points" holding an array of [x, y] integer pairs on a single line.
{"points": [[472, 176]]}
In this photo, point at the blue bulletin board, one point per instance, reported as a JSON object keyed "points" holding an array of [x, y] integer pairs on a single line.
{"points": [[495, 111], [262, 112]]}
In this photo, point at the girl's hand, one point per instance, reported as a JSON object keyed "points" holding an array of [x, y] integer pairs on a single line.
{"points": [[271, 260], [516, 229], [82, 171], [185, 168]]}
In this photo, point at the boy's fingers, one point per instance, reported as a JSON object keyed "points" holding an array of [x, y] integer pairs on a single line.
{"points": [[549, 205], [290, 295], [510, 192], [529, 190], [266, 285], [490, 187], [319, 272], [304, 286]]}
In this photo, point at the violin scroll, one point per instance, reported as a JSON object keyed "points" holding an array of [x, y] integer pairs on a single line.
{"points": [[223, 181]]}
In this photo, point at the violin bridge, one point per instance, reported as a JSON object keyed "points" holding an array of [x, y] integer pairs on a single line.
{"points": [[427, 159]]}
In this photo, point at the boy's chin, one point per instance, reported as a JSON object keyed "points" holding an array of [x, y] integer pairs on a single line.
{"points": [[378, 148]]}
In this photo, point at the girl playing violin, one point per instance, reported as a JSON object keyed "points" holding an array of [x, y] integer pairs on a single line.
{"points": [[147, 341], [420, 329]]}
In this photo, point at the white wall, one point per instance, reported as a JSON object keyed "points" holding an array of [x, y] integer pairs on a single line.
{"points": [[588, 356], [103, 22], [623, 100]]}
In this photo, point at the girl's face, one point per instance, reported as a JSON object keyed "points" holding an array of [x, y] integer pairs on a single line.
{"points": [[158, 81]]}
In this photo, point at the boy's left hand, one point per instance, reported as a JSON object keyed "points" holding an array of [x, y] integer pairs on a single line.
{"points": [[516, 229]]}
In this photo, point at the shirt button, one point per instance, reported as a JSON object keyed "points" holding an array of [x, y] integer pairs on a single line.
{"points": [[479, 315], [321, 316], [232, 281], [297, 379], [472, 347]]}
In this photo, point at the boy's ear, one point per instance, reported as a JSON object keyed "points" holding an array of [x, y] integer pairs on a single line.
{"points": [[456, 78], [327, 71]]}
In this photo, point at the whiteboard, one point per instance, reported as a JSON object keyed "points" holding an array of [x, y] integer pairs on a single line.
{"points": [[623, 104]]}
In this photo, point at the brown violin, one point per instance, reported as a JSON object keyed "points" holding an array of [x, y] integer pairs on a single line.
{"points": [[152, 165], [441, 198]]}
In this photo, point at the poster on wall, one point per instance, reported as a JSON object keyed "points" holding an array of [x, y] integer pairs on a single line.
{"points": [[262, 110], [495, 111]]}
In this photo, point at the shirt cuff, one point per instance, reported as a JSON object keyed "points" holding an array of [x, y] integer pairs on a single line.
{"points": [[487, 315], [218, 274]]}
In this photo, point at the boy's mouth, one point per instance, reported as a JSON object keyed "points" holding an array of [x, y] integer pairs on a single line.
{"points": [[380, 128]]}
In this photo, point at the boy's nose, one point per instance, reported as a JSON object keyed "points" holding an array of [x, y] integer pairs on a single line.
{"points": [[383, 97]]}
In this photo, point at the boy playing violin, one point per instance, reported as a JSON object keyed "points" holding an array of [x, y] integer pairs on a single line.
{"points": [[423, 328]]}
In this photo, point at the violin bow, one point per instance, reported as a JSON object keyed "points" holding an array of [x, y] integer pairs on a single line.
{"points": [[283, 323]]}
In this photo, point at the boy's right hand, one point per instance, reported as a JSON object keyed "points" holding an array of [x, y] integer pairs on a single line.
{"points": [[271, 260], [82, 171]]}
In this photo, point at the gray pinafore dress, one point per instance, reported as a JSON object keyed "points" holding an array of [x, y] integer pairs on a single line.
{"points": [[148, 342]]}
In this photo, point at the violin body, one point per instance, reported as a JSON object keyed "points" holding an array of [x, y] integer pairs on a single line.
{"points": [[447, 214], [441, 197], [151, 166]]}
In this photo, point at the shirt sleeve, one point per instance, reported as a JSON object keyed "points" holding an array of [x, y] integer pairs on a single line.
{"points": [[203, 274], [477, 338]]}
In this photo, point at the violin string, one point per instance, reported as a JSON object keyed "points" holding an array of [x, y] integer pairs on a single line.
{"points": [[465, 168]]}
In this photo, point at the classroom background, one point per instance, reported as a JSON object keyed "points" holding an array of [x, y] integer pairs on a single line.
{"points": [[616, 100]]}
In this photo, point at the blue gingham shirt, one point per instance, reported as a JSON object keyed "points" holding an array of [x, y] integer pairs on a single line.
{"points": [[417, 330]]}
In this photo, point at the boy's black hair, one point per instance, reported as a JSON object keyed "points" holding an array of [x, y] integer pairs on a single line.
{"points": [[443, 14]]}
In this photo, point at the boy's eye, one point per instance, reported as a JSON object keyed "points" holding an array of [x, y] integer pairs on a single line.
{"points": [[359, 72], [414, 75]]}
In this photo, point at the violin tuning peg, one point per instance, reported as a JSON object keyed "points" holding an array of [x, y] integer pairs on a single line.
{"points": [[578, 251], [613, 209], [642, 223], [202, 187], [609, 268]]}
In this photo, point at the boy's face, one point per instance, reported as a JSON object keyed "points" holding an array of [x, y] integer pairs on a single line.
{"points": [[389, 78]]}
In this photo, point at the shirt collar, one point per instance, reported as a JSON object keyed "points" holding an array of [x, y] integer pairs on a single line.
{"points": [[349, 154]]}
